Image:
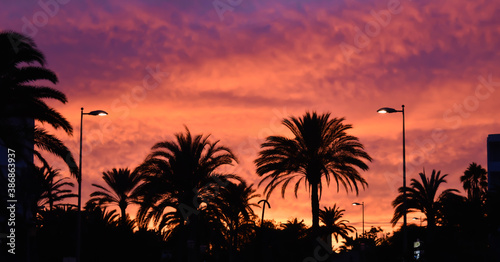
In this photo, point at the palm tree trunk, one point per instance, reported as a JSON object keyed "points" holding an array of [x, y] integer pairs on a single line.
{"points": [[232, 248], [431, 220], [235, 238], [329, 242], [123, 214], [315, 206]]}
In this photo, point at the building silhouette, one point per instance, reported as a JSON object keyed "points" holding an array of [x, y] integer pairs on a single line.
{"points": [[493, 142]]}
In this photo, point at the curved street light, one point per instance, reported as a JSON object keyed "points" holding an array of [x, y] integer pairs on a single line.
{"points": [[79, 217], [388, 110], [263, 209], [362, 204]]}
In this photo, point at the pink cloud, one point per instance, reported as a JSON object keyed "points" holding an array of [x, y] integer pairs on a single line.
{"points": [[230, 77]]}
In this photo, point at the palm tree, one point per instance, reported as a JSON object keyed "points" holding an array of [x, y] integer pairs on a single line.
{"points": [[421, 197], [475, 182], [294, 228], [236, 211], [320, 149], [22, 101], [101, 215], [122, 184], [183, 179], [39, 187], [331, 217], [52, 187]]}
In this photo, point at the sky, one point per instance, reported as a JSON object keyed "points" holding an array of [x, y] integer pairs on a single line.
{"points": [[235, 68]]}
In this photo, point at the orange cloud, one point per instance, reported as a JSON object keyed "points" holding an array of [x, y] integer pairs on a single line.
{"points": [[238, 77]]}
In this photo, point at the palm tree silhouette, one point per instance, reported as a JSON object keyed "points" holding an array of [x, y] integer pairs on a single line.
{"points": [[321, 148], [475, 182], [333, 224], [421, 196], [122, 184], [22, 100], [39, 187], [52, 186], [96, 213], [295, 228], [183, 179], [236, 211]]}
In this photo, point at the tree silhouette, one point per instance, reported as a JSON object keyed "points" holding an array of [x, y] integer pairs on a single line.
{"points": [[321, 149], [182, 183], [333, 224], [475, 182], [51, 186], [21, 100], [39, 187], [367, 244], [294, 229], [122, 184], [96, 214], [235, 208], [421, 196]]}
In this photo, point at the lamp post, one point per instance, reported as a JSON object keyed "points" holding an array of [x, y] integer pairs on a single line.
{"points": [[79, 216], [363, 215], [263, 209], [388, 110]]}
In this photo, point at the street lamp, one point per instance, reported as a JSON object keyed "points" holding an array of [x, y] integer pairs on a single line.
{"points": [[263, 209], [79, 217], [388, 110], [363, 214]]}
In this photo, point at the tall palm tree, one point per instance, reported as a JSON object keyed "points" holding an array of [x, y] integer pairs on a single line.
{"points": [[183, 177], [331, 217], [320, 149], [421, 197], [475, 182], [122, 184], [22, 64]]}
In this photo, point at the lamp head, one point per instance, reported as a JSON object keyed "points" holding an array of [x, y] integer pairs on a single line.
{"points": [[387, 110], [98, 113], [356, 204]]}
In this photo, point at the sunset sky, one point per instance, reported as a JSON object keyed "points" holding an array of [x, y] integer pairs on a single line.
{"points": [[235, 68]]}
